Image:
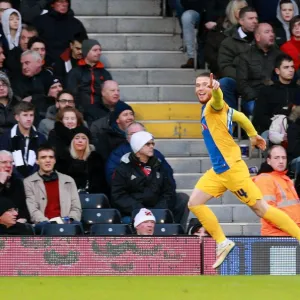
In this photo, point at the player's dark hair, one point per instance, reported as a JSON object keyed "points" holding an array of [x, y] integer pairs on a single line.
{"points": [[281, 58], [245, 10], [203, 74]]}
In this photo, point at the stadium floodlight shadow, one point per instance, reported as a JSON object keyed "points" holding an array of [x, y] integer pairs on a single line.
{"points": [[94, 201], [168, 229], [100, 216], [61, 230], [162, 215], [110, 229]]}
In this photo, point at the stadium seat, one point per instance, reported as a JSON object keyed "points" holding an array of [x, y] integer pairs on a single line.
{"points": [[101, 215], [168, 229], [110, 229], [162, 216], [94, 201], [61, 229]]}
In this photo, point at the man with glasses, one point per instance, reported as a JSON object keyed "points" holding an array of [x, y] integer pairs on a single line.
{"points": [[12, 187], [9, 224], [64, 99], [140, 180]]}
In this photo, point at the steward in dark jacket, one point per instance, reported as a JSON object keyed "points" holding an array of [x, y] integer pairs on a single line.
{"points": [[132, 189], [13, 141], [231, 47], [273, 100], [255, 70], [57, 29]]}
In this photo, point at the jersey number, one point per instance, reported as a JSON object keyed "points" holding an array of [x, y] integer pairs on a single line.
{"points": [[241, 193]]}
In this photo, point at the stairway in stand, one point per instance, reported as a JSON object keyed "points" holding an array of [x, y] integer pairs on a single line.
{"points": [[141, 50]]}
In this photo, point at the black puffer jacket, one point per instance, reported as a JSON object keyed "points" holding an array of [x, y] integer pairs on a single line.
{"points": [[57, 30], [273, 100], [7, 118], [293, 134], [132, 189], [88, 174], [255, 69]]}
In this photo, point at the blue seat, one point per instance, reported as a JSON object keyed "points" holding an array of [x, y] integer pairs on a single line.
{"points": [[162, 216], [100, 215], [110, 229], [61, 229], [168, 229], [94, 201]]}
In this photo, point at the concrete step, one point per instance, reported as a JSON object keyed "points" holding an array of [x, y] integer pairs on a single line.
{"points": [[155, 76], [158, 111], [234, 214], [142, 59], [244, 229], [186, 180], [174, 129], [117, 7], [184, 148], [136, 24], [199, 164], [142, 41]]}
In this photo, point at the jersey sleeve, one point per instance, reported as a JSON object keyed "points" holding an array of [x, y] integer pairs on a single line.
{"points": [[217, 102], [244, 122]]}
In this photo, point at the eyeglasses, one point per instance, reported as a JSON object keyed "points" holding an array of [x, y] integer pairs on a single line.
{"points": [[6, 162], [150, 144], [64, 101]]}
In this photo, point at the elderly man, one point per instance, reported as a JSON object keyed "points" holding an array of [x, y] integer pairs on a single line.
{"points": [[50, 194], [144, 222], [8, 219], [140, 181], [12, 187], [34, 82], [277, 189]]}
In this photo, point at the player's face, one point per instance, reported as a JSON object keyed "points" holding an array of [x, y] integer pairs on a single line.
{"points": [[202, 89], [278, 159]]}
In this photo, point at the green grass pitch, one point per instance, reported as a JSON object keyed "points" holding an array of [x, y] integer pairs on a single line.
{"points": [[155, 288]]}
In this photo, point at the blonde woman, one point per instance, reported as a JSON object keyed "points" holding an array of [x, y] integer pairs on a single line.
{"points": [[83, 163]]}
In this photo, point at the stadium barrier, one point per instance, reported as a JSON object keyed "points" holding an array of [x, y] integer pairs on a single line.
{"points": [[130, 256]]}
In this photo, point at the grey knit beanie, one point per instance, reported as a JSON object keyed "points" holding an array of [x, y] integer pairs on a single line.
{"points": [[87, 45], [5, 80]]}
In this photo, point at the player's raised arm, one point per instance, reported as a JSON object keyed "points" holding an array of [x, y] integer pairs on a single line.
{"points": [[217, 101], [246, 124]]}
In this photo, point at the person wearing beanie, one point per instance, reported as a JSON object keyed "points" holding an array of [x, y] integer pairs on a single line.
{"points": [[7, 103], [8, 219], [196, 228], [86, 79], [83, 163], [108, 133], [51, 194], [144, 222], [58, 27], [140, 181]]}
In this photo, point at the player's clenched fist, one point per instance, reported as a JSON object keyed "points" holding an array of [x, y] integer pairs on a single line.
{"points": [[213, 84]]}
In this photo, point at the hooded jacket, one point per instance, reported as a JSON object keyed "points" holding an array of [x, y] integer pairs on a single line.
{"points": [[274, 100], [132, 189], [293, 134], [282, 28], [230, 49], [47, 124], [85, 82], [12, 42], [57, 30]]}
